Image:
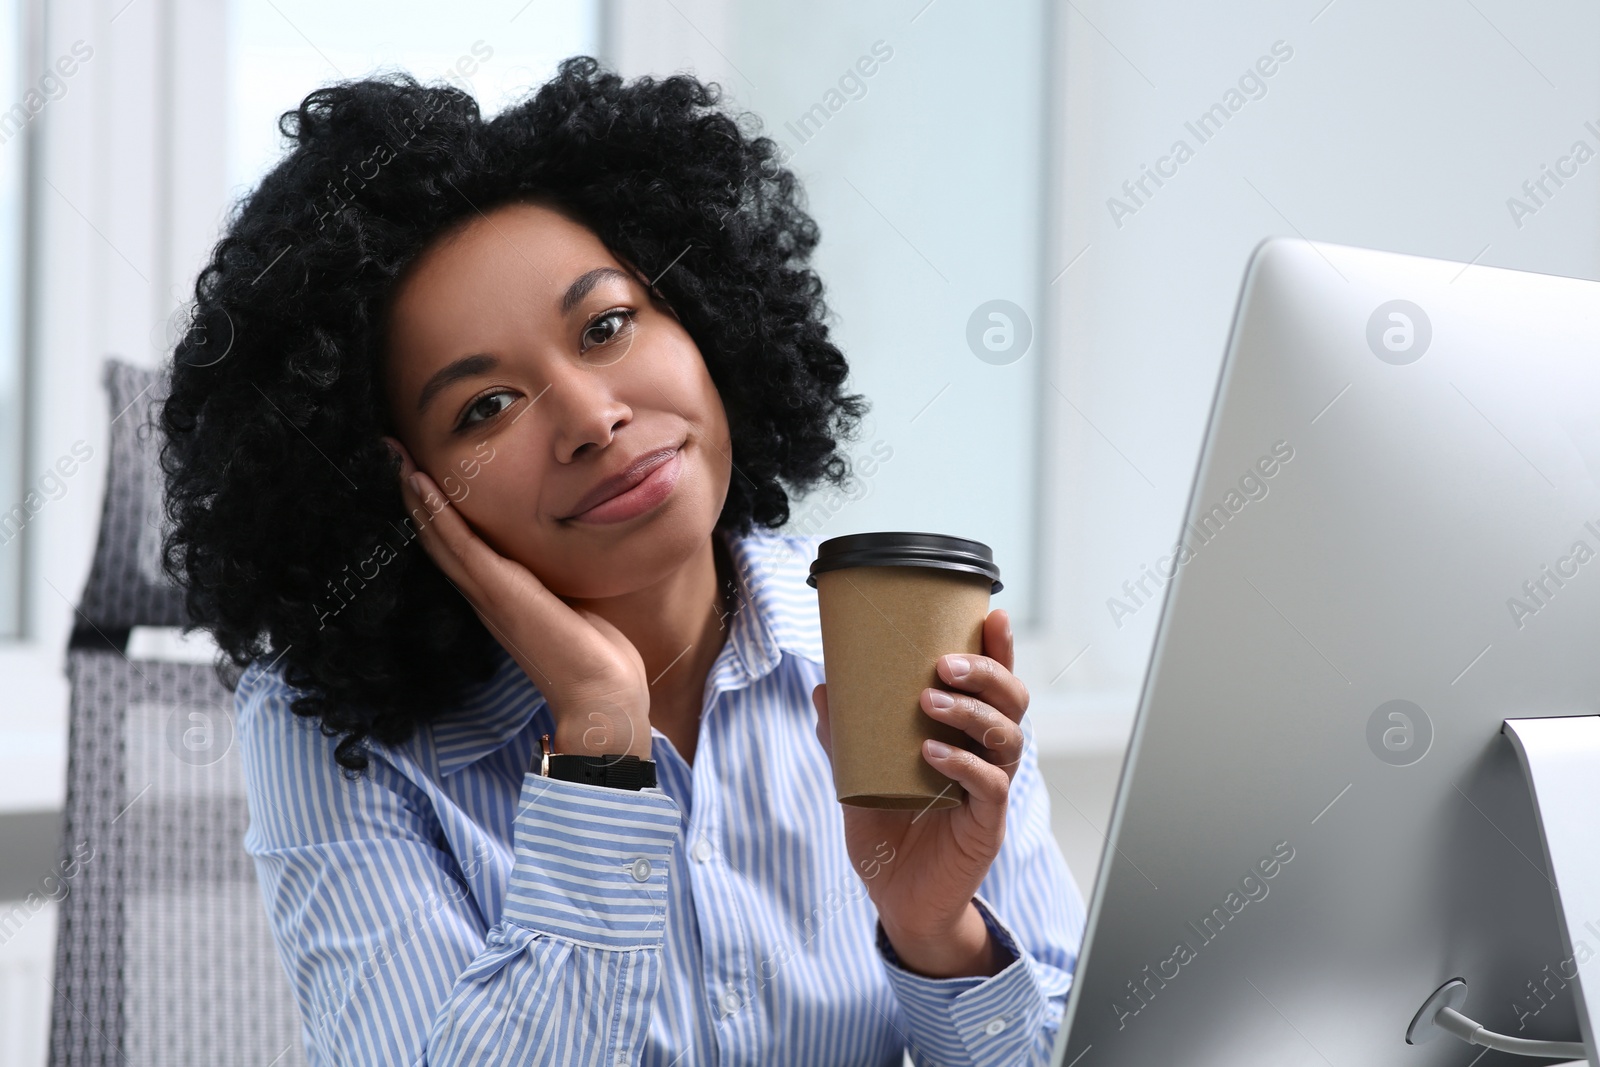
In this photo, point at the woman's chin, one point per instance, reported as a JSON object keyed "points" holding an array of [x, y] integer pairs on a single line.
{"points": [[621, 558]]}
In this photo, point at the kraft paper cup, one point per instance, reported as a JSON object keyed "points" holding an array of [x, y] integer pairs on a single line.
{"points": [[891, 604]]}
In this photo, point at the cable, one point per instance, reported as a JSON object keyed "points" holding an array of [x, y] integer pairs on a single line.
{"points": [[1453, 1022], [1438, 1015]]}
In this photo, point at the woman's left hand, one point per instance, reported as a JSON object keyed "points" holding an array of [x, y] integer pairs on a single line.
{"points": [[922, 868]]}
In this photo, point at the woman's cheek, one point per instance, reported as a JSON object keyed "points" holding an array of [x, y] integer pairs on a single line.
{"points": [[500, 509]]}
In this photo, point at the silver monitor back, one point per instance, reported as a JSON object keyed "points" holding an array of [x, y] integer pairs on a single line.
{"points": [[1392, 545]]}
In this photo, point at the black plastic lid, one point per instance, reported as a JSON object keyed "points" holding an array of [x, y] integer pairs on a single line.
{"points": [[901, 549]]}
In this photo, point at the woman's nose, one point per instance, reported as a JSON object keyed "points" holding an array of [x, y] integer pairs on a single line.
{"points": [[584, 410]]}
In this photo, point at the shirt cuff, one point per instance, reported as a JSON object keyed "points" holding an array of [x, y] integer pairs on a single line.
{"points": [[973, 1019], [592, 862]]}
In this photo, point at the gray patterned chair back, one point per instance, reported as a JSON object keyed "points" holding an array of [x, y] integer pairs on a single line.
{"points": [[163, 957]]}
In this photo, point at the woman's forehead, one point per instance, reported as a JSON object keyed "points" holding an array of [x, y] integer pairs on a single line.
{"points": [[531, 246]]}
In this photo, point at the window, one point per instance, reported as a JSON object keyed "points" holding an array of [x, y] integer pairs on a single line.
{"points": [[20, 496], [929, 190], [919, 134], [279, 50]]}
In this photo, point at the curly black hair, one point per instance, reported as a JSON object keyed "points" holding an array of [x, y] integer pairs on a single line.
{"points": [[276, 479]]}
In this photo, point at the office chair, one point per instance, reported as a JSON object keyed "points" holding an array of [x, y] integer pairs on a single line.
{"points": [[163, 955]]}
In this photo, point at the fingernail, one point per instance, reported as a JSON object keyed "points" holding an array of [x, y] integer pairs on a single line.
{"points": [[959, 666], [416, 487], [940, 699], [938, 749]]}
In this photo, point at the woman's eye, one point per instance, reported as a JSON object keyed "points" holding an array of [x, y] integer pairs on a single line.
{"points": [[482, 406], [597, 334]]}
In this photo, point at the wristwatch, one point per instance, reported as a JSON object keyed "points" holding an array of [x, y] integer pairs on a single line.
{"points": [[619, 772]]}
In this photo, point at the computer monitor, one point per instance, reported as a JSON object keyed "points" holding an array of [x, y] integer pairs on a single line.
{"points": [[1391, 547]]}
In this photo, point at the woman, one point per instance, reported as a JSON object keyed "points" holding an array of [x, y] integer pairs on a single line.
{"points": [[479, 441]]}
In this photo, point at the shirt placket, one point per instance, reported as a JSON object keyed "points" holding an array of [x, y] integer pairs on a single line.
{"points": [[725, 937]]}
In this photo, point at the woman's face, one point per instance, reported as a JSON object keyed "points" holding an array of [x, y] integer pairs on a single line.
{"points": [[526, 364]]}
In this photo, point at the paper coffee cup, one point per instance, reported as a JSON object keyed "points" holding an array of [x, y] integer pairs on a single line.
{"points": [[891, 604]]}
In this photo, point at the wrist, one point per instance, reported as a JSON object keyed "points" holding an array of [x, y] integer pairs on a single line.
{"points": [[601, 741], [966, 949]]}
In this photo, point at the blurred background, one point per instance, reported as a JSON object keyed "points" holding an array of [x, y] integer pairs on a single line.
{"points": [[1035, 217]]}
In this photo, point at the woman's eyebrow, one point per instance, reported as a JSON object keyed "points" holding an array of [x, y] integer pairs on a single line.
{"points": [[585, 282], [465, 367]]}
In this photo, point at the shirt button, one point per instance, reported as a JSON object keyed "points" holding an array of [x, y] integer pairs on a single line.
{"points": [[640, 870], [995, 1025], [701, 850], [730, 1002]]}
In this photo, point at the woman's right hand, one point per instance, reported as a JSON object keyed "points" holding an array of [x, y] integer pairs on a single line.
{"points": [[592, 677]]}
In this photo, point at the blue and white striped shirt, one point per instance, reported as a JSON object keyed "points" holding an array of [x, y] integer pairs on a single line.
{"points": [[452, 907]]}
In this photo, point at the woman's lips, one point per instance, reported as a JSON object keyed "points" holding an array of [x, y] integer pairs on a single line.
{"points": [[648, 494]]}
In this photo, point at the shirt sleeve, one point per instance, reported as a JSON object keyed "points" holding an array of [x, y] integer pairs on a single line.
{"points": [[1032, 907], [391, 960]]}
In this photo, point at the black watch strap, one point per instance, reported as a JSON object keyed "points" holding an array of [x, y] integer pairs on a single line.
{"points": [[618, 772]]}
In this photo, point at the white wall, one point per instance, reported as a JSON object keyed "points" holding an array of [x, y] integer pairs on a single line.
{"points": [[1402, 127]]}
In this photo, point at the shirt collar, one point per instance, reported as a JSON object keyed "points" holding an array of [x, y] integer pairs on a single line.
{"points": [[774, 611]]}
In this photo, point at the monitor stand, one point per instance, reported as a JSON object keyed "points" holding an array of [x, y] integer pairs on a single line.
{"points": [[1561, 757]]}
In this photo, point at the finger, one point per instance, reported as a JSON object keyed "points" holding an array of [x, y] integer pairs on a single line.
{"points": [[1001, 738], [988, 679], [434, 518], [998, 640], [406, 467], [819, 697], [396, 450], [421, 511], [475, 568], [987, 786]]}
